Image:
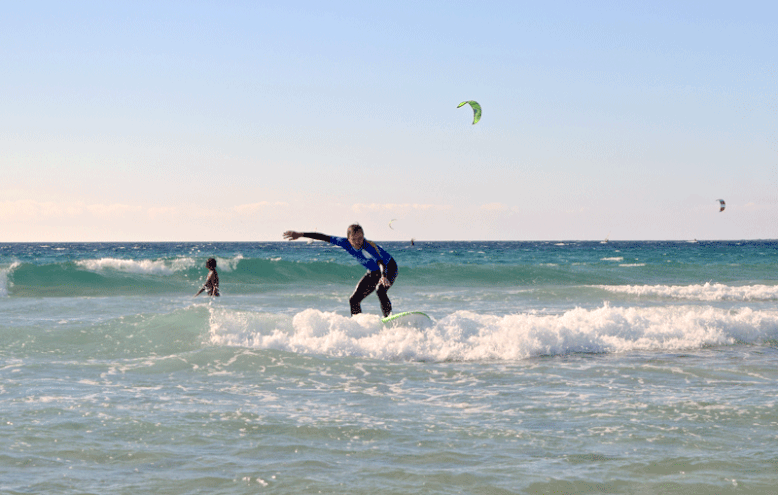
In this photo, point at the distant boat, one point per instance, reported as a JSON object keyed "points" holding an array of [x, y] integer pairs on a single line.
{"points": [[605, 241]]}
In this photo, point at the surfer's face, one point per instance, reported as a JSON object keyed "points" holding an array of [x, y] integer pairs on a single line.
{"points": [[356, 239]]}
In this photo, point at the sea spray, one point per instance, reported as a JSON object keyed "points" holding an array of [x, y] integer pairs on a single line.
{"points": [[468, 336], [700, 292], [4, 282]]}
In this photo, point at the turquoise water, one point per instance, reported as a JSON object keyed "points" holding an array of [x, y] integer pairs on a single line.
{"points": [[548, 367]]}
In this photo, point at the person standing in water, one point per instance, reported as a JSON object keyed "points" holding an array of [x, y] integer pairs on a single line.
{"points": [[381, 267], [212, 282]]}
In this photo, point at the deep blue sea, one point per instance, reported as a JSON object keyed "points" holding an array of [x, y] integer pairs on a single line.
{"points": [[547, 367]]}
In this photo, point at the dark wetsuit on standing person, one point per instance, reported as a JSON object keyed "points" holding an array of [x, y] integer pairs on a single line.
{"points": [[212, 281], [378, 263]]}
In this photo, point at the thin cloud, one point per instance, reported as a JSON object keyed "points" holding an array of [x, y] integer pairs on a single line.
{"points": [[392, 207], [27, 209], [255, 207], [494, 207], [105, 211]]}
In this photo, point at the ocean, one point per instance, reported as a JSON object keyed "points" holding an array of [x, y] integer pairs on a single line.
{"points": [[547, 367]]}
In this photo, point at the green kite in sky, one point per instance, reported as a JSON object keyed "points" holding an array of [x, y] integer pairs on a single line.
{"points": [[476, 110]]}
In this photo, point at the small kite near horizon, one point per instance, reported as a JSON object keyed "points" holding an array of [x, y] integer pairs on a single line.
{"points": [[722, 205], [390, 223], [476, 109]]}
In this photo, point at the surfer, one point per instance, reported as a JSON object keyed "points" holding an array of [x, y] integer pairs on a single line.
{"points": [[381, 267], [212, 282]]}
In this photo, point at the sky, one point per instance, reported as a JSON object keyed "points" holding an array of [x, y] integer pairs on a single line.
{"points": [[236, 121]]}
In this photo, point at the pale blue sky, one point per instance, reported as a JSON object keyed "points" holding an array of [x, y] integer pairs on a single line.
{"points": [[226, 121]]}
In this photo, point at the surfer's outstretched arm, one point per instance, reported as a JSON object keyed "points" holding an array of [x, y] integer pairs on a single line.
{"points": [[292, 235]]}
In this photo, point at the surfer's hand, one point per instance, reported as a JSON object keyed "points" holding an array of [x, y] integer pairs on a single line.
{"points": [[385, 282], [292, 235]]}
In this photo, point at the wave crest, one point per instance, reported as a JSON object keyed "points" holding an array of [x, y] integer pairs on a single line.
{"points": [[699, 292], [467, 336], [4, 272], [146, 267]]}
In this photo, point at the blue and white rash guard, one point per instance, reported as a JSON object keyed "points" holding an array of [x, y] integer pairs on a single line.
{"points": [[371, 256]]}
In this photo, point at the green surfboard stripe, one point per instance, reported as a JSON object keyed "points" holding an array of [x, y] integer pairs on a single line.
{"points": [[400, 315]]}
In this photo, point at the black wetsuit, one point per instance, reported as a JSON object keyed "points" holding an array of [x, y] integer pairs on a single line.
{"points": [[378, 263]]}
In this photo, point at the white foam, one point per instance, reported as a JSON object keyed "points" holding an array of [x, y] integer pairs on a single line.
{"points": [[699, 292], [467, 336], [4, 282], [181, 264], [228, 264], [152, 267]]}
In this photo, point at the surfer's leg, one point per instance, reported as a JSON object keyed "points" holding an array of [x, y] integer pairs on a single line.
{"points": [[365, 286], [386, 304], [391, 274]]}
